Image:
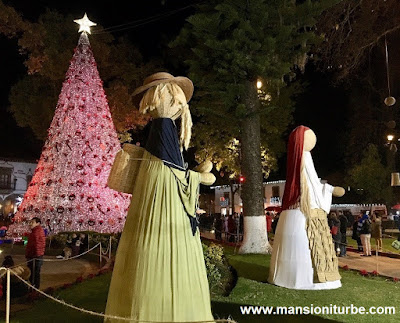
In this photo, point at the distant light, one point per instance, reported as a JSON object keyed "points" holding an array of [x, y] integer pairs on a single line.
{"points": [[390, 137], [259, 84], [1, 251]]}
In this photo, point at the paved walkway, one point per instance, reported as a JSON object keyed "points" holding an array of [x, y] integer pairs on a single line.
{"points": [[384, 265], [57, 273]]}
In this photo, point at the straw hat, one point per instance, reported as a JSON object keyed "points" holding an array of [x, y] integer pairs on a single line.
{"points": [[163, 77]]}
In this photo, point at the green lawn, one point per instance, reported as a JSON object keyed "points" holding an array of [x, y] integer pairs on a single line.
{"points": [[251, 289], [386, 244]]}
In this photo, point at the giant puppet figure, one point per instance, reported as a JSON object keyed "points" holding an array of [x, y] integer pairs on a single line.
{"points": [[303, 255], [159, 273]]}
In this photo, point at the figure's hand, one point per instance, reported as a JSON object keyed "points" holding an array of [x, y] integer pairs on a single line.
{"points": [[338, 191], [207, 178], [204, 169]]}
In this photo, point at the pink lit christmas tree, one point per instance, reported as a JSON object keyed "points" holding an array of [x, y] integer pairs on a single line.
{"points": [[69, 191]]}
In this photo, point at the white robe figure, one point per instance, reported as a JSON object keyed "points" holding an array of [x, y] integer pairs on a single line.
{"points": [[291, 263]]}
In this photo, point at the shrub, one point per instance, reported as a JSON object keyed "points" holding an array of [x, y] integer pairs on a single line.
{"points": [[221, 276]]}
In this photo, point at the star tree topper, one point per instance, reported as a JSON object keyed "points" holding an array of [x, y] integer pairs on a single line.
{"points": [[85, 24]]}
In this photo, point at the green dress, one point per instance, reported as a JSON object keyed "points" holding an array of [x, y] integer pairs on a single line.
{"points": [[159, 272]]}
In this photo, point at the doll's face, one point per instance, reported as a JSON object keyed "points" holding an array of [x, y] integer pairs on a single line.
{"points": [[309, 140]]}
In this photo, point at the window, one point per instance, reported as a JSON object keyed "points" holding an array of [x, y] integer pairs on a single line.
{"points": [[5, 178], [28, 180], [275, 191]]}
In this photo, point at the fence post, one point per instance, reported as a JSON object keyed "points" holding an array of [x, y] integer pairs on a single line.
{"points": [[100, 254], [109, 251], [8, 297]]}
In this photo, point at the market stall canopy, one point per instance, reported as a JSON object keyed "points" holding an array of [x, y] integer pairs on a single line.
{"points": [[396, 207]]}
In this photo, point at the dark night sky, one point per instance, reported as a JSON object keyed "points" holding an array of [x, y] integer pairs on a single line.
{"points": [[321, 107]]}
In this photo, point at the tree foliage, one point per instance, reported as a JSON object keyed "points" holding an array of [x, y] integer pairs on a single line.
{"points": [[234, 43], [371, 177], [351, 29]]}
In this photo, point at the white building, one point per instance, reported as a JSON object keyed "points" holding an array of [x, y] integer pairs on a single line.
{"points": [[273, 192], [15, 176]]}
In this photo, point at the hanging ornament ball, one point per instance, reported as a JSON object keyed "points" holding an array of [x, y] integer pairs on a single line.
{"points": [[389, 101], [391, 124]]}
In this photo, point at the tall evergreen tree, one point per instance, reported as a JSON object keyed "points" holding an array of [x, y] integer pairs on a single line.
{"points": [[235, 43]]}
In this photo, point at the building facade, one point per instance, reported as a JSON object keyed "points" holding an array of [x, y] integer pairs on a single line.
{"points": [[272, 192], [15, 176]]}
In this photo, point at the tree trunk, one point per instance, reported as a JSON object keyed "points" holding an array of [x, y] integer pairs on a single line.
{"points": [[255, 238]]}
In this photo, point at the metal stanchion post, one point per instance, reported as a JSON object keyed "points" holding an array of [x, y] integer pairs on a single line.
{"points": [[8, 297], [109, 251], [100, 254], [33, 271]]}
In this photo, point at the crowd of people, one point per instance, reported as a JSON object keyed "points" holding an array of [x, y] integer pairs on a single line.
{"points": [[363, 227], [230, 227]]}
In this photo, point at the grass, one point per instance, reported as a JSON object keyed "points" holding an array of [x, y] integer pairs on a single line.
{"points": [[251, 289], [386, 244]]}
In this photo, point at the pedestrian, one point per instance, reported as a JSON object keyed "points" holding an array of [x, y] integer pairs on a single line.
{"points": [[83, 238], [231, 228], [343, 232], [35, 250], [226, 216], [269, 222], [18, 287], [356, 235], [67, 251], [364, 229], [241, 226], [75, 246], [218, 226], [275, 222], [334, 224], [376, 230]]}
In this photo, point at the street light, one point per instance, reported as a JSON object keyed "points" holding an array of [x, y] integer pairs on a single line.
{"points": [[390, 137], [259, 84]]}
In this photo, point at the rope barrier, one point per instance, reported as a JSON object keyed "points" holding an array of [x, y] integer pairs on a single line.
{"points": [[106, 316], [74, 257], [54, 260]]}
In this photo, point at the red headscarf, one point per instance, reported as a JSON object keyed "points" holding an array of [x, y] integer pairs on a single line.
{"points": [[291, 194]]}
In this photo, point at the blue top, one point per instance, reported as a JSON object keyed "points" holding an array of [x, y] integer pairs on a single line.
{"points": [[163, 143]]}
